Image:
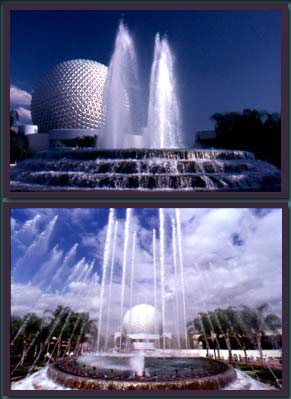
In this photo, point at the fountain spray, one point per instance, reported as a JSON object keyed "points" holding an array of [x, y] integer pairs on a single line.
{"points": [[164, 121], [120, 90], [162, 270], [110, 282], [104, 271], [174, 244], [179, 233], [125, 248]]}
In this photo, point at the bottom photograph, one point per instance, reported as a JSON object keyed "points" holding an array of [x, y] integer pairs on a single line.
{"points": [[145, 299]]}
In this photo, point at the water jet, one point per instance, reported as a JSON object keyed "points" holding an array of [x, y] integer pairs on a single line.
{"points": [[129, 155]]}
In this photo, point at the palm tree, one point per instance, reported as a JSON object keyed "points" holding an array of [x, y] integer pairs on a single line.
{"points": [[258, 322], [86, 326], [191, 332], [31, 328], [207, 326], [225, 317], [244, 324], [240, 329]]}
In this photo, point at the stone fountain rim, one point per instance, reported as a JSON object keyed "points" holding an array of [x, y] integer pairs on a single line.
{"points": [[218, 381]]}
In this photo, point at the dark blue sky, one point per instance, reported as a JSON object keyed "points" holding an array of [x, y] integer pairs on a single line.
{"points": [[225, 60]]}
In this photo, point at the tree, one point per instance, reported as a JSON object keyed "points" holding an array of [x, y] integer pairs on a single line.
{"points": [[244, 325], [251, 130], [56, 331], [239, 328], [190, 332], [224, 316], [258, 323], [28, 327], [207, 327]]}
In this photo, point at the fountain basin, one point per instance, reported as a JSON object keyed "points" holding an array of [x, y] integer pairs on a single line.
{"points": [[145, 169], [163, 374]]}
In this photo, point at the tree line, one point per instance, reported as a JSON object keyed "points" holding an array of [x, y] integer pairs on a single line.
{"points": [[38, 339], [250, 130], [237, 328]]}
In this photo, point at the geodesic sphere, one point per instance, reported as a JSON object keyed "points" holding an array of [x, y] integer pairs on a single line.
{"points": [[142, 319], [70, 96]]}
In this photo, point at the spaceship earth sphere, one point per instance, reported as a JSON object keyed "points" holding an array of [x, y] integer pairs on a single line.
{"points": [[70, 96], [142, 319]]}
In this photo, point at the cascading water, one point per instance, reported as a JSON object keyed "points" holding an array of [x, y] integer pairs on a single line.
{"points": [[117, 165], [110, 283], [181, 263], [125, 249], [51, 331], [164, 128], [174, 245], [67, 260], [149, 170], [36, 246], [120, 92], [104, 270], [162, 271], [59, 338], [155, 274], [132, 265], [23, 357], [62, 270], [94, 279], [63, 311]]}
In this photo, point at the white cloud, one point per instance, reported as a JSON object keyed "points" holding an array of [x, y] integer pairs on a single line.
{"points": [[19, 96], [218, 270], [20, 101], [24, 115], [90, 240], [29, 298]]}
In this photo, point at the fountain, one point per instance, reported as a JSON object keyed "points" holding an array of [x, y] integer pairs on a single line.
{"points": [[166, 374], [151, 158], [164, 121], [140, 365], [144, 354], [120, 93]]}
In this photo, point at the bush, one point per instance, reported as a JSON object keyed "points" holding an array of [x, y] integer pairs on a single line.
{"points": [[251, 130]]}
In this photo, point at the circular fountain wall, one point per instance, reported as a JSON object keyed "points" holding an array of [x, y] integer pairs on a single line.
{"points": [[160, 374]]}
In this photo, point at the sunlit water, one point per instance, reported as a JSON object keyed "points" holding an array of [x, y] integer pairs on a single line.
{"points": [[244, 382], [194, 170], [164, 119], [120, 92]]}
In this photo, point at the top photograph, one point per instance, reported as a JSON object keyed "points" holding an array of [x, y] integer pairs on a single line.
{"points": [[145, 100]]}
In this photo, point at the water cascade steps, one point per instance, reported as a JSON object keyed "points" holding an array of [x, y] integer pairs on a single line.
{"points": [[145, 169]]}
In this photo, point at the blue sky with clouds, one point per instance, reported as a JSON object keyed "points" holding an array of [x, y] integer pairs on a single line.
{"points": [[225, 60], [230, 257]]}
